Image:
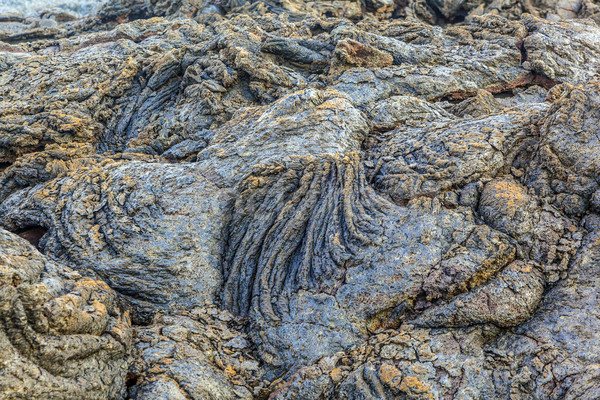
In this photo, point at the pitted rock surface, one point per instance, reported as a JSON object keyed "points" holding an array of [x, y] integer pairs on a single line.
{"points": [[62, 335], [329, 199]]}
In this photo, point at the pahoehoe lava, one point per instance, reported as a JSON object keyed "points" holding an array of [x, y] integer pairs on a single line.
{"points": [[286, 199]]}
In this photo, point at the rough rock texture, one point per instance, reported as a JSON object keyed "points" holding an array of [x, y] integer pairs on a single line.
{"points": [[62, 335], [144, 239], [329, 199]]}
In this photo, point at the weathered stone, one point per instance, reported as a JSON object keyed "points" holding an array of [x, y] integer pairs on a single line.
{"points": [[329, 199], [158, 239], [62, 336]]}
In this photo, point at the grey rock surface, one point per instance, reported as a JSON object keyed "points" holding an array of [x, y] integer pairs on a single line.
{"points": [[332, 199], [151, 236]]}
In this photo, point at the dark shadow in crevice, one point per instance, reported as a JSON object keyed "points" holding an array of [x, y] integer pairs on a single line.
{"points": [[132, 380], [33, 234], [504, 95], [443, 21]]}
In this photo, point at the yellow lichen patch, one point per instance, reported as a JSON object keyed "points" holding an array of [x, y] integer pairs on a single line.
{"points": [[390, 375], [415, 389], [510, 194], [336, 375], [526, 268], [229, 369]]}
